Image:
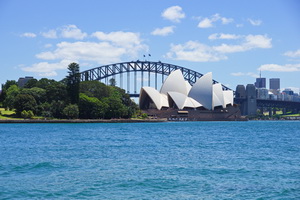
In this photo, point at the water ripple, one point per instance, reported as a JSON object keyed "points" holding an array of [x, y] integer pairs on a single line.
{"points": [[193, 160]]}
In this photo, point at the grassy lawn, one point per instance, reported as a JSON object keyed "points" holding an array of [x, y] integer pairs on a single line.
{"points": [[292, 115], [7, 114], [278, 112]]}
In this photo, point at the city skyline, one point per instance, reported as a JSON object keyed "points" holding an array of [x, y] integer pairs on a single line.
{"points": [[233, 40]]}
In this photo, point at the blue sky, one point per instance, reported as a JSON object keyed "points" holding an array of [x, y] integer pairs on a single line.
{"points": [[233, 39]]}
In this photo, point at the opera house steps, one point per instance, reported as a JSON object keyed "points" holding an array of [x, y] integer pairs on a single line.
{"points": [[231, 113]]}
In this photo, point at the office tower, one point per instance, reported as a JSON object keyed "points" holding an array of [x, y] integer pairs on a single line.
{"points": [[274, 83], [260, 83]]}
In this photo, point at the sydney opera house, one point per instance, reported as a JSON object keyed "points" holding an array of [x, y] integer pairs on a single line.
{"points": [[177, 100]]}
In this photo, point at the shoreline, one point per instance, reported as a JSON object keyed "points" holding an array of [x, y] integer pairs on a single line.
{"points": [[82, 121], [39, 121]]}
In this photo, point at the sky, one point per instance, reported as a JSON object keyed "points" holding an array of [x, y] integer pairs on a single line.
{"points": [[235, 40]]}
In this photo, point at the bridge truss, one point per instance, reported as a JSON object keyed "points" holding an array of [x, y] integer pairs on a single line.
{"points": [[145, 68]]}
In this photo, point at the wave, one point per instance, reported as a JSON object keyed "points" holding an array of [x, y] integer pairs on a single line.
{"points": [[29, 168]]}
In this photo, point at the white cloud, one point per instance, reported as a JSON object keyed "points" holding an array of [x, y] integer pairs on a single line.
{"points": [[280, 68], [293, 54], [71, 31], [50, 34], [163, 31], [216, 36], [225, 48], [255, 22], [250, 42], [205, 23], [46, 69], [197, 52], [226, 20], [129, 42], [208, 22], [110, 49], [173, 13], [258, 41], [194, 51], [28, 35], [67, 31], [119, 38], [102, 52], [251, 74]]}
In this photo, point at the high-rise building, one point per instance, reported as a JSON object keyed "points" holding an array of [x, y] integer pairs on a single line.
{"points": [[260, 83], [22, 81], [274, 83]]}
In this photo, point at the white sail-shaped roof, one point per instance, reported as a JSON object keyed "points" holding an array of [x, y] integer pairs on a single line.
{"points": [[202, 91], [178, 98], [174, 83], [183, 101], [188, 86], [202, 94], [164, 100], [191, 103], [218, 97], [158, 99], [228, 97]]}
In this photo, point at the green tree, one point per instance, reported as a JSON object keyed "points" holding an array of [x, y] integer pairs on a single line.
{"points": [[24, 102], [8, 84], [43, 108], [127, 108], [94, 89], [71, 111], [39, 94], [115, 107], [112, 82], [56, 91], [44, 82], [10, 98], [91, 107], [73, 81], [27, 114], [24, 114], [5, 88], [131, 106], [56, 108], [31, 83]]}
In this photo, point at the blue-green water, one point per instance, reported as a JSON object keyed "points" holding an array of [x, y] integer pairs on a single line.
{"points": [[190, 160]]}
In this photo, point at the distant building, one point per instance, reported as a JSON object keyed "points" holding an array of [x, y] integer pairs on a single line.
{"points": [[251, 100], [260, 83], [288, 91], [273, 96], [262, 93], [22, 81], [240, 91], [274, 83]]}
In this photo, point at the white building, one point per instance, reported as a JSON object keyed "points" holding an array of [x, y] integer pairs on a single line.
{"points": [[178, 93]]}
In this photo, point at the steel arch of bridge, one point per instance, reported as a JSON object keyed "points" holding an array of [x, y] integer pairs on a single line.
{"points": [[105, 71]]}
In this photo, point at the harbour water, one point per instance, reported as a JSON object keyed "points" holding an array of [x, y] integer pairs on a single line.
{"points": [[174, 160]]}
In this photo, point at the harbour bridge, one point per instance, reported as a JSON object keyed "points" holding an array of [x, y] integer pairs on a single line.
{"points": [[137, 74], [141, 71]]}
